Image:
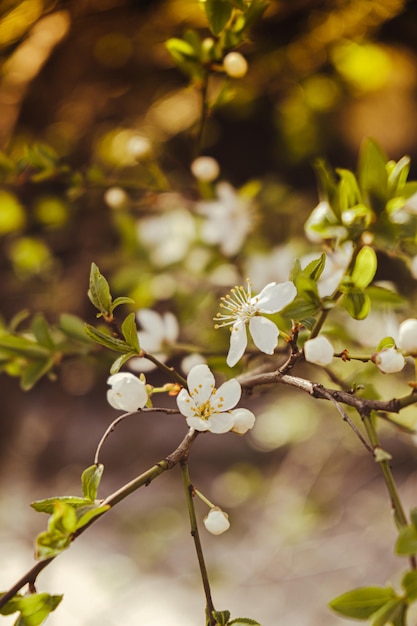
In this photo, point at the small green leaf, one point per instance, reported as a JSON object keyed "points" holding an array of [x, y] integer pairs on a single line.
{"points": [[244, 621], [386, 342], [365, 267], [361, 603], [106, 340], [373, 177], [61, 526], [90, 480], [349, 193], [99, 292], [409, 583], [47, 505], [221, 617], [387, 613], [120, 361], [42, 332], [180, 50], [23, 347], [356, 302], [121, 300], [218, 13], [89, 513], [34, 372], [406, 544], [130, 332], [74, 327], [34, 608], [315, 268]]}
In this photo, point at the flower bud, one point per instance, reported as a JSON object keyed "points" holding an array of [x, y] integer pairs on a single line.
{"points": [[389, 360], [116, 198], [139, 147], [235, 65], [318, 350], [127, 392], [217, 521], [205, 169], [243, 421], [407, 337]]}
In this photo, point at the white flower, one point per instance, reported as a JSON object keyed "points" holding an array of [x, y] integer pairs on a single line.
{"points": [[205, 168], [205, 407], [318, 350], [228, 221], [389, 360], [158, 332], [235, 65], [242, 308], [244, 420], [407, 337], [127, 392], [217, 521]]}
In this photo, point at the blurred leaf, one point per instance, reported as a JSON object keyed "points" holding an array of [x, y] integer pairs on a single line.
{"points": [[88, 513], [130, 332], [42, 332], [180, 50], [34, 608], [73, 327], [34, 372], [22, 346], [254, 12], [221, 617], [409, 583], [361, 603], [243, 621], [373, 179], [61, 527], [356, 302], [406, 544], [218, 14], [387, 613], [349, 193], [47, 505], [90, 480]]}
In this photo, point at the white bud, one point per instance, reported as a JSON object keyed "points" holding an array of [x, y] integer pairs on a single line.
{"points": [[127, 392], [205, 168], [217, 521], [235, 65], [139, 147], [407, 337], [389, 360], [244, 421], [116, 198], [318, 350]]}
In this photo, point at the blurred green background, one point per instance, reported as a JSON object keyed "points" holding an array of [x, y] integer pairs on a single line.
{"points": [[78, 81]]}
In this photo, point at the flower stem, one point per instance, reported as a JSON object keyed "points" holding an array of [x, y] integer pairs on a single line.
{"points": [[189, 490]]}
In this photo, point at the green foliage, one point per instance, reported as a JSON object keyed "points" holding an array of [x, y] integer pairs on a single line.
{"points": [[33, 608], [364, 602]]}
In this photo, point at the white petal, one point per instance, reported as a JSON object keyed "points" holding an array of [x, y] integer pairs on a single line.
{"points": [[220, 423], [226, 396], [128, 393], [186, 404], [200, 383], [151, 322], [198, 424], [243, 420], [264, 334], [238, 343], [389, 360], [318, 350], [216, 521], [274, 297], [171, 328], [140, 364]]}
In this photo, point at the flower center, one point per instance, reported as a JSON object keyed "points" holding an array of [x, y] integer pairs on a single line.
{"points": [[238, 306], [204, 411]]}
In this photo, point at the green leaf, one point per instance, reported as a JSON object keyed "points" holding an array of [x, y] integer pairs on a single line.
{"points": [[387, 613], [130, 332], [90, 480], [47, 505], [365, 267], [221, 617], [254, 12], [406, 544], [88, 513], [121, 300], [99, 292], [397, 176], [34, 372], [74, 327], [61, 527], [356, 302], [218, 13], [349, 193], [409, 583], [361, 603], [386, 342], [180, 50], [23, 347], [242, 621], [34, 608], [106, 340], [315, 268], [42, 332], [120, 361], [373, 178]]}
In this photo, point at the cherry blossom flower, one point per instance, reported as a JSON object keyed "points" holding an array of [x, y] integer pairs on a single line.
{"points": [[241, 309], [229, 219], [318, 350], [208, 409], [158, 332], [217, 521], [407, 337], [389, 360], [127, 393]]}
